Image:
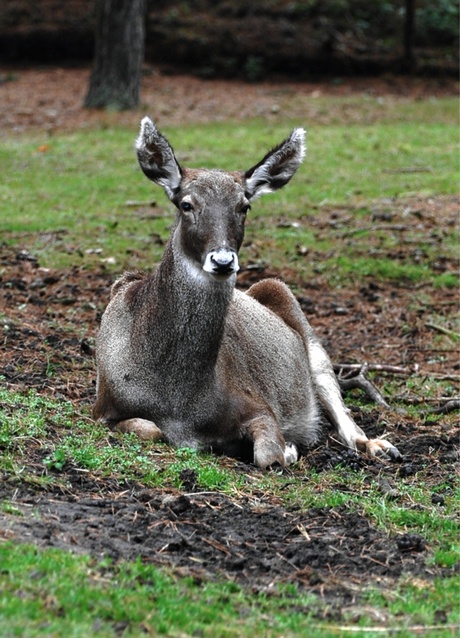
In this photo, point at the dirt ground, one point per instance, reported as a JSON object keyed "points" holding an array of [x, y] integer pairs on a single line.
{"points": [[51, 317], [50, 99], [254, 541]]}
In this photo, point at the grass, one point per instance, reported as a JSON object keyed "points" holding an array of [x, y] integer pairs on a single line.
{"points": [[59, 437], [65, 199], [51, 592], [74, 207], [54, 593]]}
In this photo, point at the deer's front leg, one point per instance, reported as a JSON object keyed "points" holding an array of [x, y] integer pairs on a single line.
{"points": [[269, 444], [146, 430]]}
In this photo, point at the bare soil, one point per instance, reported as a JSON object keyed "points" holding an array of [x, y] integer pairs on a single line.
{"points": [[49, 319], [50, 99]]}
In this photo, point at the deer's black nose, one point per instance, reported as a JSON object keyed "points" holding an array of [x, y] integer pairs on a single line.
{"points": [[221, 262]]}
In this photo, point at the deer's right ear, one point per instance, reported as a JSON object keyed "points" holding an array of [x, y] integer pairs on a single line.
{"points": [[157, 159]]}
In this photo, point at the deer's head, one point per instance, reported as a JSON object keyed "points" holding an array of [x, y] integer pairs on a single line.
{"points": [[212, 204]]}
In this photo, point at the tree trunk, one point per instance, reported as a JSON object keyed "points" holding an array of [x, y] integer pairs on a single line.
{"points": [[119, 54], [409, 30]]}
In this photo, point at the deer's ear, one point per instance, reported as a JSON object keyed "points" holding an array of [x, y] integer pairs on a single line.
{"points": [[277, 167], [157, 159]]}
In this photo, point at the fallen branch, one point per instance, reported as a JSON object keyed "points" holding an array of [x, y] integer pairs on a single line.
{"points": [[408, 169], [136, 202], [373, 228], [359, 381], [374, 367], [401, 398], [412, 629], [450, 406]]}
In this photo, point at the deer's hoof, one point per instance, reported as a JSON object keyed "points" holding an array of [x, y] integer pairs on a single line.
{"points": [[383, 449], [267, 453]]}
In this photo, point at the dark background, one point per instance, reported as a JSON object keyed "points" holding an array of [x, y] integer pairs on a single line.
{"points": [[253, 40]]}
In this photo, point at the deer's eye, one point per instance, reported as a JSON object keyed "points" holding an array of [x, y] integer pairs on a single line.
{"points": [[186, 207]]}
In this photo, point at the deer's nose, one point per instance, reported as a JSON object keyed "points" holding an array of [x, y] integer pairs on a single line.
{"points": [[221, 262]]}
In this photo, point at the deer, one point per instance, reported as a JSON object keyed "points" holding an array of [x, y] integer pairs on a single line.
{"points": [[185, 357]]}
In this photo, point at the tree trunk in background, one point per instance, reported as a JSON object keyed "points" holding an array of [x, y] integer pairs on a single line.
{"points": [[119, 54], [409, 30]]}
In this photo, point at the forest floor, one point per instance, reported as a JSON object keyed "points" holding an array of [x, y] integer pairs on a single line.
{"points": [[253, 541]]}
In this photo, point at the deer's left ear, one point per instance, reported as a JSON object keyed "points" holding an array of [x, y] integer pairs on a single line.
{"points": [[277, 167]]}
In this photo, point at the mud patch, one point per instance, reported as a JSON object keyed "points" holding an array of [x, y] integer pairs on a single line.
{"points": [[211, 536]]}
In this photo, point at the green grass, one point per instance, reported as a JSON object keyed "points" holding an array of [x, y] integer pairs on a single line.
{"points": [[67, 195], [53, 593], [61, 437]]}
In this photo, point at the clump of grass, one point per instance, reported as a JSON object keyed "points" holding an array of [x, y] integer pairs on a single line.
{"points": [[63, 437], [62, 593], [57, 593]]}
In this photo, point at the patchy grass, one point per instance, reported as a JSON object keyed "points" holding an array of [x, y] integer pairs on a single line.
{"points": [[52, 593], [59, 592], [57, 438], [68, 198], [49, 593], [374, 203]]}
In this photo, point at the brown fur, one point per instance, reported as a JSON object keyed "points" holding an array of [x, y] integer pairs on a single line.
{"points": [[183, 356]]}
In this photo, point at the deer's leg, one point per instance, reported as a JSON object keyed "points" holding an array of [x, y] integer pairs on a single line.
{"points": [[269, 445], [146, 430], [329, 395], [104, 410], [276, 296]]}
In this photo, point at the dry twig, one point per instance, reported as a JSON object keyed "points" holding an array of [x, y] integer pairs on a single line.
{"points": [[375, 367], [359, 381], [450, 406]]}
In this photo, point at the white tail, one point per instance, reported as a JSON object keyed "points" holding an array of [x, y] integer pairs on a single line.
{"points": [[185, 357]]}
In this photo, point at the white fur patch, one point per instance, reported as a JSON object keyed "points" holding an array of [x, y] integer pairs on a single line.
{"points": [[201, 276], [298, 136], [291, 454]]}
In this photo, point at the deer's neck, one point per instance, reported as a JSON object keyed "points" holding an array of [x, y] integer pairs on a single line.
{"points": [[186, 314]]}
